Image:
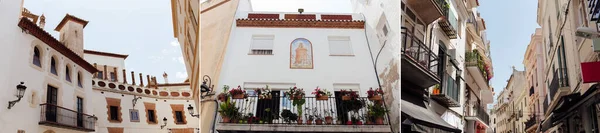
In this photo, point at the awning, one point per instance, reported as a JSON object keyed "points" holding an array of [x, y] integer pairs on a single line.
{"points": [[566, 104], [423, 120]]}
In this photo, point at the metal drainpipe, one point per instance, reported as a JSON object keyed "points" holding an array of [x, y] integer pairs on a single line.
{"points": [[375, 68]]}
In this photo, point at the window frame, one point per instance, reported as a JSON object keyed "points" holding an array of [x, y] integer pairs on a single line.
{"points": [[260, 51], [340, 38]]}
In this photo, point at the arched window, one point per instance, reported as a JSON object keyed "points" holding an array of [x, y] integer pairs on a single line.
{"points": [[36, 57], [67, 73], [79, 80], [53, 66]]}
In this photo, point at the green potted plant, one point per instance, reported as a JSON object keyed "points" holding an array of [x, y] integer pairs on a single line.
{"points": [[270, 116], [377, 112], [288, 116], [223, 95], [228, 111], [321, 95], [297, 97]]}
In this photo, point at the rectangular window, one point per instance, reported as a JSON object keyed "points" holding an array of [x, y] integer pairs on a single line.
{"points": [[114, 113], [151, 115], [340, 46], [113, 76], [134, 115], [80, 112], [262, 45], [179, 116], [100, 75]]}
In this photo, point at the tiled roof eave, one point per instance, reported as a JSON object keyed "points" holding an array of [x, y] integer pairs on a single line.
{"points": [[45, 37], [300, 23]]}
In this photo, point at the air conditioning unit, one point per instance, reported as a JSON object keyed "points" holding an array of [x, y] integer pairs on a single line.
{"points": [[452, 53], [596, 45]]}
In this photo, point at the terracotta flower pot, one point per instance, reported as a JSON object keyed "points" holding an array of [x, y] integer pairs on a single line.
{"points": [[379, 120], [345, 98], [239, 96], [226, 119], [297, 97], [348, 122], [319, 122], [375, 98], [309, 122], [322, 98], [369, 123], [299, 121], [222, 98], [328, 120]]}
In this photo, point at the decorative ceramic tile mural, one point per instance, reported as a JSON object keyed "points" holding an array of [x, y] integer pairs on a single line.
{"points": [[301, 54]]}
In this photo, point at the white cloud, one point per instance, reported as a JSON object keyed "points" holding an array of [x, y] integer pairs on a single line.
{"points": [[180, 58], [181, 75], [175, 42], [155, 59]]}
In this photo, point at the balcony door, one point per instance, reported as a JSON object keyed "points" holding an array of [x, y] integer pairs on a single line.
{"points": [[441, 60], [272, 104], [51, 102], [79, 112]]}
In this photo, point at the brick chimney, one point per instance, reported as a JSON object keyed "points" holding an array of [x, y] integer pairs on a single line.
{"points": [[71, 33]]}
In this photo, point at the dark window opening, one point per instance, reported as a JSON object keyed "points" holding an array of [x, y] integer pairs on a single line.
{"points": [[113, 76], [79, 80], [179, 116], [100, 75], [67, 74], [151, 117], [53, 66], [79, 112], [36, 57], [114, 113]]}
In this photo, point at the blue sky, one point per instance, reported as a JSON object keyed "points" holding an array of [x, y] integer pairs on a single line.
{"points": [[510, 24], [332, 6], [140, 28]]}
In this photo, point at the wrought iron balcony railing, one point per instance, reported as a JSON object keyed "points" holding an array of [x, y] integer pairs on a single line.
{"points": [[560, 79], [332, 111], [529, 123], [418, 51], [479, 112], [61, 117]]}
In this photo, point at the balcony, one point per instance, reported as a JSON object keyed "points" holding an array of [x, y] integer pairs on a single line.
{"points": [[419, 63], [559, 83], [61, 117], [531, 122], [429, 10], [449, 24], [449, 93], [335, 115], [478, 113], [477, 69]]}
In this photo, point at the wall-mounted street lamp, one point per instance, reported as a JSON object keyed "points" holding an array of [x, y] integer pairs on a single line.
{"points": [[206, 87], [20, 91], [300, 10], [165, 121], [135, 99], [191, 110]]}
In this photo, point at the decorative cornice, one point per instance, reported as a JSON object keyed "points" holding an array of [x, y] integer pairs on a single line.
{"points": [[300, 23], [45, 37], [174, 84]]}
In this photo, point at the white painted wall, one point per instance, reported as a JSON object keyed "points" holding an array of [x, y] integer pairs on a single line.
{"points": [[163, 109], [239, 67], [17, 50], [105, 60]]}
